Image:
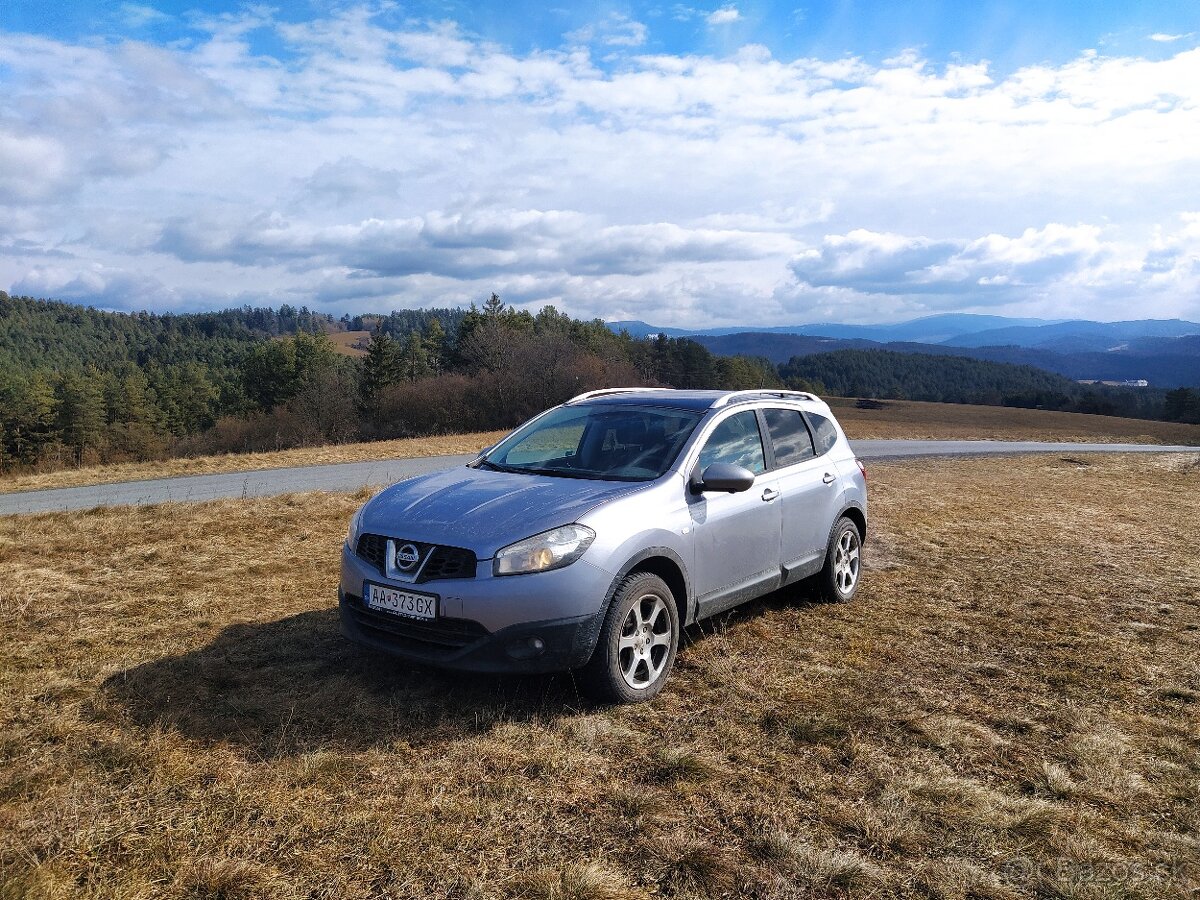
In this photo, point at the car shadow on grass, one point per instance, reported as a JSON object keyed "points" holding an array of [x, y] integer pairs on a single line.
{"points": [[296, 685], [804, 595]]}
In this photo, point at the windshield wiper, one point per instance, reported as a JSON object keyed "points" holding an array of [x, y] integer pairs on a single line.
{"points": [[566, 473], [496, 467]]}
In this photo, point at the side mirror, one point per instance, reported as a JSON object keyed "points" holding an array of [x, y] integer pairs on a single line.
{"points": [[725, 477]]}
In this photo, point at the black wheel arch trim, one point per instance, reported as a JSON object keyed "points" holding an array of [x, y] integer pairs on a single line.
{"points": [[858, 508], [689, 601]]}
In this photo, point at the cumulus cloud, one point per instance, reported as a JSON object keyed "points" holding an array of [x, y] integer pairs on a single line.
{"points": [[893, 264], [723, 16], [32, 167], [139, 15], [615, 30], [1077, 265], [466, 246], [873, 262], [103, 286], [347, 179], [380, 161]]}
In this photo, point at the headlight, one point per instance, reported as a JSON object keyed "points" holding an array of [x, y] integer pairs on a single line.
{"points": [[549, 550], [356, 526]]}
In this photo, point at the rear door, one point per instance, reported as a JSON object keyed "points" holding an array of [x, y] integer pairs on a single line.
{"points": [[736, 536], [810, 490]]}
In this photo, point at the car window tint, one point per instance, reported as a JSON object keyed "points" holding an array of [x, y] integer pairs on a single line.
{"points": [[789, 436], [623, 442], [824, 433], [735, 441], [548, 443]]}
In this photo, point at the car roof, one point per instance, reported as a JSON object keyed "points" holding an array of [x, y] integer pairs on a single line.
{"points": [[687, 399], [697, 400]]}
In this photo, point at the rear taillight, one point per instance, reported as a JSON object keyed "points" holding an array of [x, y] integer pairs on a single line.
{"points": [[862, 468]]}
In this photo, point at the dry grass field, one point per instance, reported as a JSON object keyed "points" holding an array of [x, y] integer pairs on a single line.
{"points": [[955, 421], [898, 419], [350, 343], [1009, 708]]}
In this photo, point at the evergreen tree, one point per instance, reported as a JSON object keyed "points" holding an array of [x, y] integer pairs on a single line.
{"points": [[274, 371], [380, 368], [435, 346], [1181, 405], [415, 360], [493, 307], [28, 417], [81, 412]]}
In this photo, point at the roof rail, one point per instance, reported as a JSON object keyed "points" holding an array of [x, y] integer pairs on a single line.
{"points": [[619, 390], [736, 396]]}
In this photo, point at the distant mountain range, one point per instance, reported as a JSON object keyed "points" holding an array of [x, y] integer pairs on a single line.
{"points": [[1165, 352], [929, 330]]}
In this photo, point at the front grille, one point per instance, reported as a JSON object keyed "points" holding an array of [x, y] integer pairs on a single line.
{"points": [[437, 634], [441, 563], [372, 547], [449, 562]]}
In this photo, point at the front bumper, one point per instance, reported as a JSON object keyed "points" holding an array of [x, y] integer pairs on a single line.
{"points": [[553, 645], [543, 622]]}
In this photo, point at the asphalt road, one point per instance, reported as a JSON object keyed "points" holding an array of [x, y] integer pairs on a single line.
{"points": [[352, 476]]}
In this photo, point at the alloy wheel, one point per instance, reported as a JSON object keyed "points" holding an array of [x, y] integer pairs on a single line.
{"points": [[846, 561], [645, 643]]}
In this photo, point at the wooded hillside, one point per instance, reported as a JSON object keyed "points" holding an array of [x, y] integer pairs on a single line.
{"points": [[80, 385]]}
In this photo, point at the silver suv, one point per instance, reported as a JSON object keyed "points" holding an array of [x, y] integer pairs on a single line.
{"points": [[590, 536]]}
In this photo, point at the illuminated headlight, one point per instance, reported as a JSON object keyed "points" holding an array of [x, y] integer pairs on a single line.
{"points": [[549, 550], [356, 526]]}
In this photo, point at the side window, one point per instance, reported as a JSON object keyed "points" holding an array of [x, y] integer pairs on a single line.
{"points": [[824, 433], [789, 436], [735, 441]]}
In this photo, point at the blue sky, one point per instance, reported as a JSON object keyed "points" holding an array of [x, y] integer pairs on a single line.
{"points": [[1009, 34], [684, 163]]}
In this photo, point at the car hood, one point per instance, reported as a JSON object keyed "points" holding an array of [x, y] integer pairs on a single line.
{"points": [[484, 510]]}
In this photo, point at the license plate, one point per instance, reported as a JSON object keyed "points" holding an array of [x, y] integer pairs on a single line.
{"points": [[399, 603]]}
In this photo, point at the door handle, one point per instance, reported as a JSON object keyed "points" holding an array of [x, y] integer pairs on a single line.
{"points": [[829, 478], [770, 494]]}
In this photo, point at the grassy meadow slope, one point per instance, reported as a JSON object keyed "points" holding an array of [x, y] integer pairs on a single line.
{"points": [[956, 421], [1007, 709], [350, 343], [898, 419]]}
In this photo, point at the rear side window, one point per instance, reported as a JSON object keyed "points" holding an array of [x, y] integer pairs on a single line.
{"points": [[789, 436], [824, 433], [735, 441]]}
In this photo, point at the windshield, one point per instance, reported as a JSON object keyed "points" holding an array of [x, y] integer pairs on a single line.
{"points": [[609, 442]]}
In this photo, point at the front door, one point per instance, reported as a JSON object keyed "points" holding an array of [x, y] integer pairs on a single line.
{"points": [[736, 536]]}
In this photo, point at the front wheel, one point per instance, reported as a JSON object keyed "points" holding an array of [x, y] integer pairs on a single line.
{"points": [[843, 563], [637, 642]]}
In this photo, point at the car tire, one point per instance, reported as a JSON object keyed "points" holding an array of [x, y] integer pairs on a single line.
{"points": [[637, 644], [839, 579]]}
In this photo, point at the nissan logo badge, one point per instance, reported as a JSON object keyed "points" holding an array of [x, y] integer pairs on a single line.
{"points": [[407, 556]]}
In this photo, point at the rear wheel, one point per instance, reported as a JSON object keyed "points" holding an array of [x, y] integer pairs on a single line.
{"points": [[637, 642], [843, 563]]}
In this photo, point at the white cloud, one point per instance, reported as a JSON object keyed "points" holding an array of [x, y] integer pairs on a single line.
{"points": [[1162, 38], [378, 165], [615, 30], [97, 285], [723, 16], [139, 15], [467, 246], [32, 167], [1079, 267]]}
